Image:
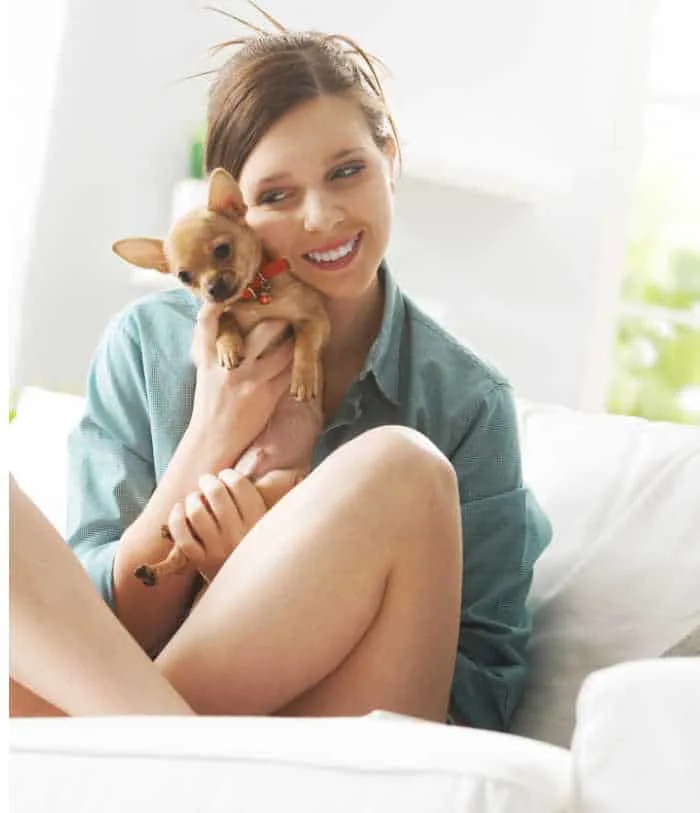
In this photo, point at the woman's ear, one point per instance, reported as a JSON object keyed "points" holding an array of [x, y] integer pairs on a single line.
{"points": [[391, 151]]}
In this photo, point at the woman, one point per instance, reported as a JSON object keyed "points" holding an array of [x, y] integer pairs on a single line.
{"points": [[395, 575]]}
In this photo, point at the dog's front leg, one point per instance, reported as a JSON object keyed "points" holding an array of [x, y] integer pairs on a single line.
{"points": [[310, 337], [229, 342]]}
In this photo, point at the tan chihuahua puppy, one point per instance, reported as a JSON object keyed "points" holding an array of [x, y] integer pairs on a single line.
{"points": [[221, 259]]}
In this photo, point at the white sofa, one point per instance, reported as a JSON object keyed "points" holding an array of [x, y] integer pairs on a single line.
{"points": [[610, 721]]}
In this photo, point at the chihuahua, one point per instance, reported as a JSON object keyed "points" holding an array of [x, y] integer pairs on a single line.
{"points": [[215, 254]]}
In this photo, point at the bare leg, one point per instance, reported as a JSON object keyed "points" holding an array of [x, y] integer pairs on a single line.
{"points": [[344, 598], [68, 652], [24, 703]]}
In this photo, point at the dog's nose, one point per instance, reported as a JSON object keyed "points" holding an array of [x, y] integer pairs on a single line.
{"points": [[220, 290]]}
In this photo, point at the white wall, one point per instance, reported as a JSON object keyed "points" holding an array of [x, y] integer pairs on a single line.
{"points": [[525, 114]]}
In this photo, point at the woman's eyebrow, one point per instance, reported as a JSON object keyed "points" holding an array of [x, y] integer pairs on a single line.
{"points": [[344, 153], [337, 156], [276, 176]]}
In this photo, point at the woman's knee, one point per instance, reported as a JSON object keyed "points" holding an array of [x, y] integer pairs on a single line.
{"points": [[403, 465], [410, 453]]}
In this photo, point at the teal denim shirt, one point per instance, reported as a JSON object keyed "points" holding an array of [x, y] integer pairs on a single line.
{"points": [[139, 399]]}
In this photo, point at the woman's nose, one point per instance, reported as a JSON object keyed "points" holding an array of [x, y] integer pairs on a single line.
{"points": [[321, 212]]}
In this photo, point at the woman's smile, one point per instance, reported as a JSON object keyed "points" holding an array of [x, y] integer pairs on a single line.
{"points": [[336, 256]]}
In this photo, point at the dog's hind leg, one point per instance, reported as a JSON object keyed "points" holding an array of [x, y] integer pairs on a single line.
{"points": [[175, 562]]}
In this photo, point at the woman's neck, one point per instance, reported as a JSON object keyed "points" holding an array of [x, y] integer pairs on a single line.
{"points": [[354, 327]]}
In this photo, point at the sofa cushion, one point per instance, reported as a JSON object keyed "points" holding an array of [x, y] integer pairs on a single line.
{"points": [[259, 764], [620, 578], [637, 738]]}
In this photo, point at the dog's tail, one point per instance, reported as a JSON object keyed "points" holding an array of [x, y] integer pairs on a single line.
{"points": [[175, 562]]}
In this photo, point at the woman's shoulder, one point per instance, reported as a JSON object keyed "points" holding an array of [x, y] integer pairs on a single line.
{"points": [[163, 314], [449, 389], [433, 347]]}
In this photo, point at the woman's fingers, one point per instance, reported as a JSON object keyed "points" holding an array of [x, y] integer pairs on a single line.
{"points": [[262, 336], [203, 525], [249, 502], [210, 523], [183, 536], [205, 333], [224, 510]]}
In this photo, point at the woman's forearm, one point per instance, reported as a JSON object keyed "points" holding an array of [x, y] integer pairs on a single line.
{"points": [[153, 614]]}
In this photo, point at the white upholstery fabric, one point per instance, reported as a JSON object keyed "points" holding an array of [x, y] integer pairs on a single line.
{"points": [[214, 765], [37, 451], [637, 741], [620, 580]]}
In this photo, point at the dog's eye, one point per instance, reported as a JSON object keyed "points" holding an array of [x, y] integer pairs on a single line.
{"points": [[185, 276], [222, 251]]}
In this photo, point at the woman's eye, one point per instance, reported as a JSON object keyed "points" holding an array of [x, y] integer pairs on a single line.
{"points": [[273, 196], [222, 251], [347, 171]]}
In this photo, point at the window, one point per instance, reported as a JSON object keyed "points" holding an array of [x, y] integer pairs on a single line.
{"points": [[657, 349]]}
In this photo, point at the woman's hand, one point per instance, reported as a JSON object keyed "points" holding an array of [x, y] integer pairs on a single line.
{"points": [[232, 407], [211, 522]]}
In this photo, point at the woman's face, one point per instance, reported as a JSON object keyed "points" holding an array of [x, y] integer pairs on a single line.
{"points": [[320, 192]]}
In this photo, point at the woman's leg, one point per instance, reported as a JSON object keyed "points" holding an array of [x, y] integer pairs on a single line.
{"points": [[24, 703], [68, 652], [344, 598]]}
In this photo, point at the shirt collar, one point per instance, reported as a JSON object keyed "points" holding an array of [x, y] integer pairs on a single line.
{"points": [[383, 357]]}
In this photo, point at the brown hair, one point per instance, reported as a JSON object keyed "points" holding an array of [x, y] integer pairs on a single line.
{"points": [[271, 74]]}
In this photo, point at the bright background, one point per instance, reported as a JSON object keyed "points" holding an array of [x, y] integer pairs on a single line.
{"points": [[548, 190]]}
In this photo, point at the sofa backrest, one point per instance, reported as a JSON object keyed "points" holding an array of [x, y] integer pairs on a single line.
{"points": [[621, 579]]}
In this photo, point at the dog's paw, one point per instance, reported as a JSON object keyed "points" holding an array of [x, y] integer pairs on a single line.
{"points": [[146, 575], [229, 351], [305, 382]]}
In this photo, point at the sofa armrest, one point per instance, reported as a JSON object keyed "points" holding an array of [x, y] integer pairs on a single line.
{"points": [[379, 762], [637, 740]]}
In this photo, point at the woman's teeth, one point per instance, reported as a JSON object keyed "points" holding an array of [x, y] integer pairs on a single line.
{"points": [[334, 255]]}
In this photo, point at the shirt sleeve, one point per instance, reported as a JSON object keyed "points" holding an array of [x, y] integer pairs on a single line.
{"points": [[504, 531], [111, 474]]}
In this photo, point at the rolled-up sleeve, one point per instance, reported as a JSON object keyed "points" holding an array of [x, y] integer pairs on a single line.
{"points": [[504, 531], [110, 461]]}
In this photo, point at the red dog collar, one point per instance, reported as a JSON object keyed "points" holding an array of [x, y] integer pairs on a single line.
{"points": [[260, 287]]}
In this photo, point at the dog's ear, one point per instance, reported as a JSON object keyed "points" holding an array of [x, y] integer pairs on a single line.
{"points": [[145, 252], [225, 195]]}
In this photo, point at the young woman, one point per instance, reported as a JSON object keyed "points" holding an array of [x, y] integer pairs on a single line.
{"points": [[395, 576]]}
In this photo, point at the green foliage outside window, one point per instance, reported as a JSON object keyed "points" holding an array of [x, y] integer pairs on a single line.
{"points": [[657, 347], [195, 168]]}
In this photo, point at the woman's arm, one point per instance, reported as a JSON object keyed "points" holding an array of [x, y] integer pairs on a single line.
{"points": [[117, 503], [504, 531]]}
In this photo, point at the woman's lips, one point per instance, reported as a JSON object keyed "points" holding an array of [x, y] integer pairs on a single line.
{"points": [[336, 257]]}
